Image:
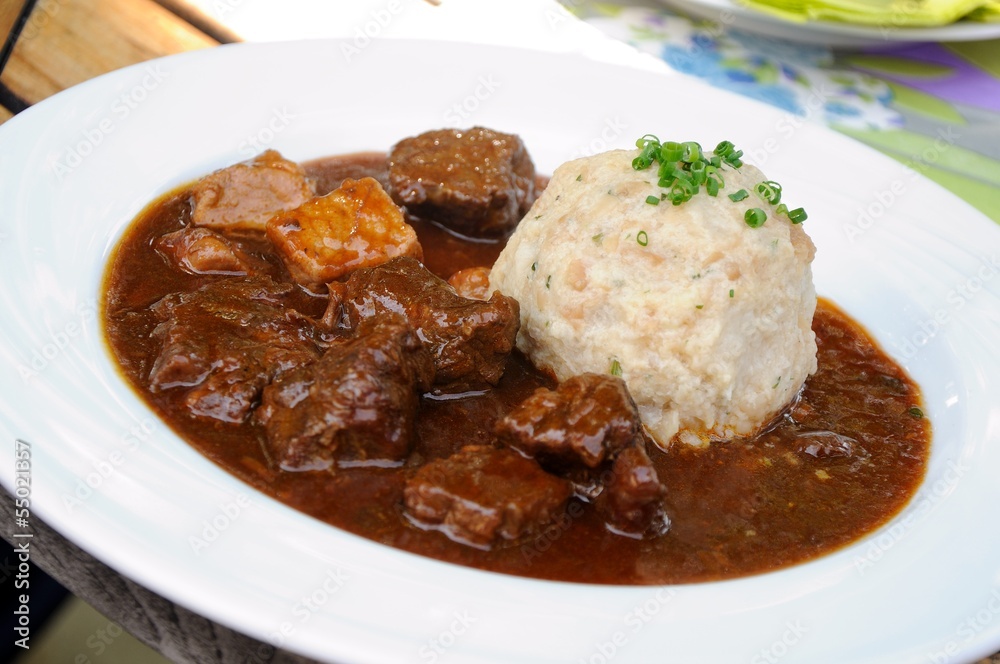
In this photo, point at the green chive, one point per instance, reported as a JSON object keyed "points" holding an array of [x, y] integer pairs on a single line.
{"points": [[731, 292], [724, 148], [642, 238], [712, 186], [915, 412], [755, 217], [683, 167], [616, 368], [671, 152], [692, 152], [579, 177], [770, 191], [548, 280], [798, 215]]}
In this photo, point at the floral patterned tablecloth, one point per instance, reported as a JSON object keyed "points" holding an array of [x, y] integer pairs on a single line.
{"points": [[934, 107]]}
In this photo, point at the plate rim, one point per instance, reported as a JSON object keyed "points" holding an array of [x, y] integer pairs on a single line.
{"points": [[114, 76]]}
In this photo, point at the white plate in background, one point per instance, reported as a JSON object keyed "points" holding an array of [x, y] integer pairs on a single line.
{"points": [[737, 16], [915, 264]]}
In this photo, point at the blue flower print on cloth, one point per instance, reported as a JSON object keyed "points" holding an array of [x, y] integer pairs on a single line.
{"points": [[796, 78]]}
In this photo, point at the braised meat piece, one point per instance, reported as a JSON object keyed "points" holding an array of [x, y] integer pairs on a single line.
{"points": [[245, 195], [585, 420], [469, 339], [225, 341], [481, 495], [472, 282], [588, 431], [477, 182], [354, 226], [203, 251], [632, 499], [357, 403]]}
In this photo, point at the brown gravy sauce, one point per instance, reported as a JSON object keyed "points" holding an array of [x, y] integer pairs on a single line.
{"points": [[736, 508]]}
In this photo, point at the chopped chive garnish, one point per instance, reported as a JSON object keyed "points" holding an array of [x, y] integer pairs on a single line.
{"points": [[597, 238], [755, 217], [642, 238], [534, 266], [712, 186], [548, 280], [671, 152], [683, 168], [692, 152], [616, 368], [579, 177], [770, 191], [699, 306], [732, 292], [915, 412]]}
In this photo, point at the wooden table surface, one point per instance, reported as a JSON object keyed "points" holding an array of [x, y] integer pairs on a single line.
{"points": [[62, 43]]}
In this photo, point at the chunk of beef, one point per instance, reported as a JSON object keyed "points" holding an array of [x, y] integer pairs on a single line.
{"points": [[588, 431], [203, 251], [225, 341], [477, 182], [481, 495], [354, 226], [472, 282], [469, 339], [585, 420], [245, 195], [632, 499], [357, 403]]}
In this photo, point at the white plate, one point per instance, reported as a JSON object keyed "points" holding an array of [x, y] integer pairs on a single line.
{"points": [[848, 35], [75, 169]]}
